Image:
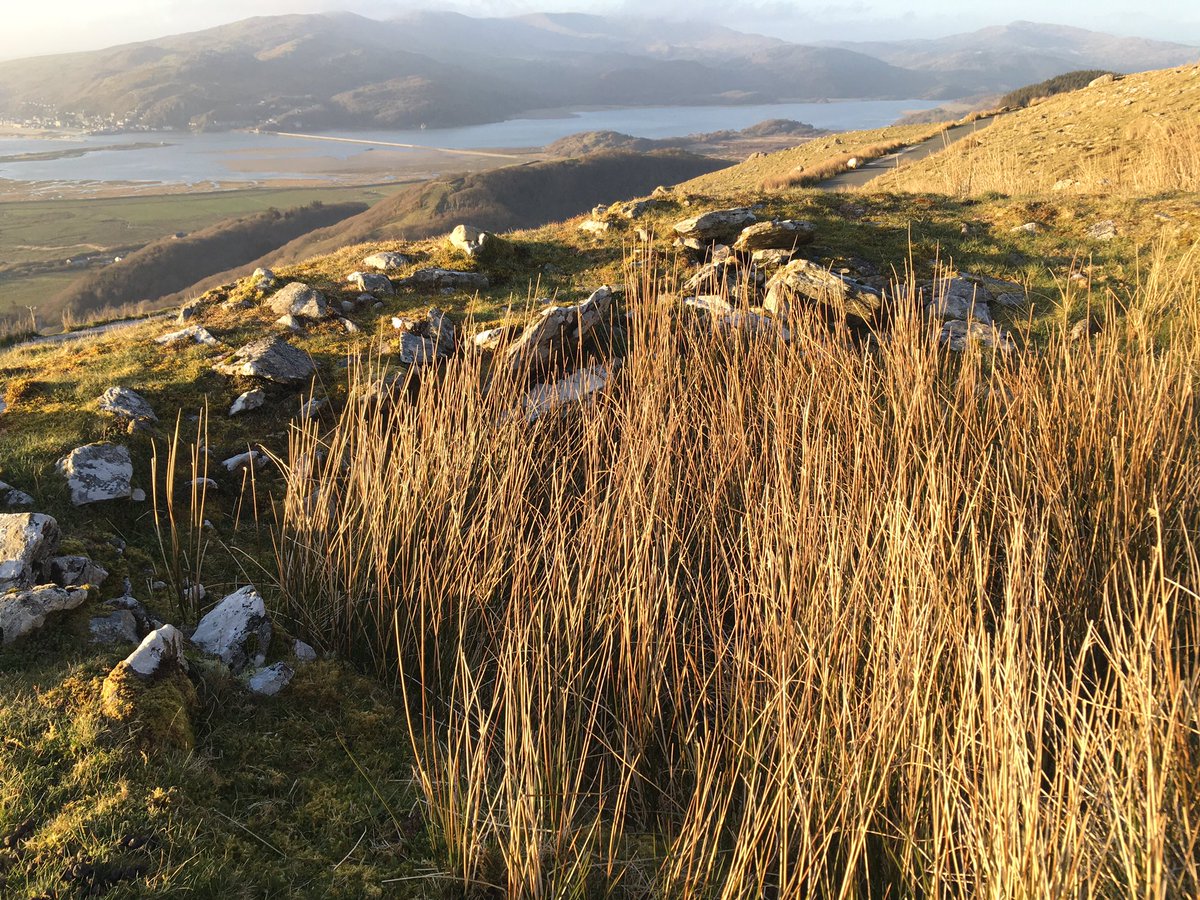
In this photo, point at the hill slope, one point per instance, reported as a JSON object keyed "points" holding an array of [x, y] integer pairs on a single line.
{"points": [[1139, 134]]}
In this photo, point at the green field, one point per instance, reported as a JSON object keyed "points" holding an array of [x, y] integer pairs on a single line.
{"points": [[36, 237]]}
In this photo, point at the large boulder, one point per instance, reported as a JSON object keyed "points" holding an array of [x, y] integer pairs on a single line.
{"points": [[300, 300], [127, 404], [237, 630], [98, 472], [779, 234], [423, 341], [371, 282], [719, 226], [24, 612], [272, 359], [27, 540], [474, 242], [439, 279], [559, 330], [801, 281]]}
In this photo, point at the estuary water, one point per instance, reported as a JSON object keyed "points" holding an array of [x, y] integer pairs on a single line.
{"points": [[185, 158]]}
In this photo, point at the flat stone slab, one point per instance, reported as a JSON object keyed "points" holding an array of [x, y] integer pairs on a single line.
{"points": [[780, 234], [97, 472], [272, 359], [719, 226], [801, 280]]}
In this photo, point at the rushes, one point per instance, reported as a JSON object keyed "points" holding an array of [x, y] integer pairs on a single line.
{"points": [[182, 541], [782, 619]]}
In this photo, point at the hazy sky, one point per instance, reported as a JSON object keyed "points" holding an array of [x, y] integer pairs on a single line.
{"points": [[33, 28]]}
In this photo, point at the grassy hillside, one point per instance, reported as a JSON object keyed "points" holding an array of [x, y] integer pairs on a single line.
{"points": [[840, 611], [172, 264], [1137, 136]]}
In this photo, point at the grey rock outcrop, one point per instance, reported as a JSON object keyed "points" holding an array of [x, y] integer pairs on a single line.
{"points": [[719, 226], [300, 300], [13, 498], [26, 611], [118, 627], [272, 359], [387, 261], [27, 540], [560, 329], [958, 335], [437, 279], [371, 282], [474, 242], [423, 341], [237, 630], [75, 571], [127, 404], [959, 298], [778, 234], [97, 472], [807, 282]]}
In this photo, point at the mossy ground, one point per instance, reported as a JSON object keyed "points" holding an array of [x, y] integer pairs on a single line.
{"points": [[308, 794]]}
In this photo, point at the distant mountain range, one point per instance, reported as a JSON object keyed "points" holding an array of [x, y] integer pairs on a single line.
{"points": [[441, 69]]}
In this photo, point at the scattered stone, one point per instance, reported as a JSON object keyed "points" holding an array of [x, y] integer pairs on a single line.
{"points": [[1103, 79], [1103, 231], [723, 316], [264, 279], [387, 261], [718, 226], [149, 692], [291, 323], [25, 612], [348, 326], [595, 227], [13, 498], [495, 338], [145, 622], [716, 277], [633, 209], [27, 540], [248, 401], [1006, 293], [189, 311], [770, 260], [269, 681], [438, 279], [244, 461], [579, 387], [311, 408], [959, 298], [370, 281], [303, 652], [423, 341], [300, 300], [207, 484], [814, 283], [270, 358], [560, 329], [237, 630], [97, 472], [1084, 329], [1028, 228], [127, 404], [348, 306], [118, 627], [137, 495], [75, 571], [193, 334], [780, 234], [958, 335]]}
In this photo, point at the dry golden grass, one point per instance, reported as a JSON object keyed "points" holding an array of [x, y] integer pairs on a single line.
{"points": [[1136, 137], [785, 620]]}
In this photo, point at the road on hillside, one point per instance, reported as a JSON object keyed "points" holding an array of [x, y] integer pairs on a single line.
{"points": [[92, 331], [868, 172]]}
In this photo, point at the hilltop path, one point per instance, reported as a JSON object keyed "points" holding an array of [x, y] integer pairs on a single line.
{"points": [[868, 172]]}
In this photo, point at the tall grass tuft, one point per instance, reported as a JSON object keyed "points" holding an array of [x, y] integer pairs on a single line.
{"points": [[815, 618]]}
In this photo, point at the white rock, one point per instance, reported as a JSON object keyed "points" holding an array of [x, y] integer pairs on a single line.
{"points": [[300, 300], [310, 409], [303, 652], [159, 650], [24, 612], [195, 334], [127, 404], [957, 335], [387, 261], [578, 387], [248, 401], [97, 472], [13, 498], [244, 461], [26, 541], [137, 495], [269, 358], [269, 681], [560, 329], [232, 626], [371, 281]]}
